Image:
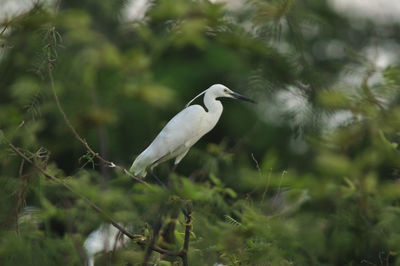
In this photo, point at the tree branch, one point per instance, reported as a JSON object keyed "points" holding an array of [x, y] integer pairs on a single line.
{"points": [[188, 229], [50, 62], [151, 244], [90, 203], [137, 238]]}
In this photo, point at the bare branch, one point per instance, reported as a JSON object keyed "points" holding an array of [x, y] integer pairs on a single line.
{"points": [[151, 244], [4, 29], [20, 195], [53, 178], [279, 186], [188, 229], [73, 130], [261, 175]]}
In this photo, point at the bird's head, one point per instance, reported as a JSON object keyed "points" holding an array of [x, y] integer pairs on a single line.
{"points": [[219, 90]]}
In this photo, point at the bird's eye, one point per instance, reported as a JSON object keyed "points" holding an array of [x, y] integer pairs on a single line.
{"points": [[225, 90]]}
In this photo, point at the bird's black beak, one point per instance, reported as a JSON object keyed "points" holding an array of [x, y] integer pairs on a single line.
{"points": [[241, 97]]}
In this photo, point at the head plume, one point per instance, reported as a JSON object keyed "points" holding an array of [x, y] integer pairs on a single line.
{"points": [[201, 93]]}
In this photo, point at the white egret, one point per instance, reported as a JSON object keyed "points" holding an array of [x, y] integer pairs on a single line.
{"points": [[104, 239], [184, 130]]}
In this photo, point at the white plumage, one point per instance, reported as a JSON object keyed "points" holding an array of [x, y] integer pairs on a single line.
{"points": [[105, 238], [184, 130]]}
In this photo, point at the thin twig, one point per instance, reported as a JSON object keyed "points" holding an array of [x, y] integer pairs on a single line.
{"points": [[267, 184], [256, 162], [20, 195], [188, 229], [75, 133], [261, 175], [279, 187], [151, 244], [4, 29], [21, 168]]}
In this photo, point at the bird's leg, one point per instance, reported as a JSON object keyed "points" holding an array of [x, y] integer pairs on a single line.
{"points": [[157, 179], [170, 173], [173, 169]]}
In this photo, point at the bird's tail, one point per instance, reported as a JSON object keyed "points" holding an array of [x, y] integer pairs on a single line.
{"points": [[138, 167]]}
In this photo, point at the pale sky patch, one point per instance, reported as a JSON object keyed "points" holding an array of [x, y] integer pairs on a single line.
{"points": [[380, 11]]}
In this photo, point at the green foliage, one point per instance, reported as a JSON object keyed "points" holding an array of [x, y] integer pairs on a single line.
{"points": [[266, 187]]}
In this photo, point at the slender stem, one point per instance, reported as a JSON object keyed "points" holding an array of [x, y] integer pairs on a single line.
{"points": [[75, 133], [188, 229], [150, 247], [20, 195], [4, 29], [261, 175]]}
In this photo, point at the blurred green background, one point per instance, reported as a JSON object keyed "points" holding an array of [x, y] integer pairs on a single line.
{"points": [[308, 176]]}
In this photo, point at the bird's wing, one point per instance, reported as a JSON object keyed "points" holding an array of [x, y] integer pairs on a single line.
{"points": [[180, 133]]}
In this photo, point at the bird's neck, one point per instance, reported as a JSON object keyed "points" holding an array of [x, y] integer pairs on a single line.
{"points": [[212, 104]]}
